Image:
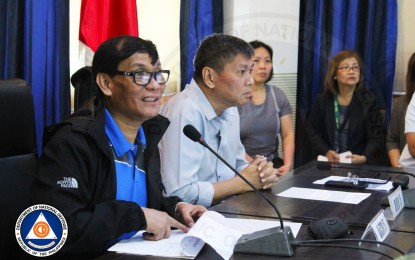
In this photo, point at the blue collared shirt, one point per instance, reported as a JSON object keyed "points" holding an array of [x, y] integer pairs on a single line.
{"points": [[129, 164]]}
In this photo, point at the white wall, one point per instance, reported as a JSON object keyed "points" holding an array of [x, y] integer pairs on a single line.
{"points": [[275, 22], [158, 21], [406, 42]]}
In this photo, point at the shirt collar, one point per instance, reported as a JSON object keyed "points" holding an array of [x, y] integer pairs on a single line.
{"points": [[207, 107], [117, 139]]}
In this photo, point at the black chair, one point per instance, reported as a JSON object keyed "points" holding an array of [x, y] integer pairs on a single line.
{"points": [[85, 87], [18, 160]]}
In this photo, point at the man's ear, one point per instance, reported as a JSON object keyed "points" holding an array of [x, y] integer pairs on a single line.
{"points": [[209, 76], [104, 83]]}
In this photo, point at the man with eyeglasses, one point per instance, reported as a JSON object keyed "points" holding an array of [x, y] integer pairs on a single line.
{"points": [[221, 81], [101, 168]]}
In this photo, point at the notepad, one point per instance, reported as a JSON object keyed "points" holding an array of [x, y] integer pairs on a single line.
{"points": [[343, 158]]}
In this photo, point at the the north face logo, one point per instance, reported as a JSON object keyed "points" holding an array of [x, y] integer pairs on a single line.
{"points": [[68, 182]]}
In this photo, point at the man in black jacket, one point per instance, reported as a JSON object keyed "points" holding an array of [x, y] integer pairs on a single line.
{"points": [[101, 168]]}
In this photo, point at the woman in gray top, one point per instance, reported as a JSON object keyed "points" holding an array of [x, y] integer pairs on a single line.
{"points": [[267, 115], [395, 140]]}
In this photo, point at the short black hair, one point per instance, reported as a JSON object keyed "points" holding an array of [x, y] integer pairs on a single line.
{"points": [[115, 50], [218, 49]]}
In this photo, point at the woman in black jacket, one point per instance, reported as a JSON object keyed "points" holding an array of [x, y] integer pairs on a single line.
{"points": [[345, 117]]}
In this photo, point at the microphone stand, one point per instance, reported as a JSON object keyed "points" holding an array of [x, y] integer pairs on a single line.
{"points": [[273, 241]]}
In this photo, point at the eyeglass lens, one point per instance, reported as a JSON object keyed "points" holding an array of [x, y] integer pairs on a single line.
{"points": [[347, 68], [144, 77]]}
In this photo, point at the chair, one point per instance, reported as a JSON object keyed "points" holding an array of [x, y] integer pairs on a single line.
{"points": [[18, 159], [85, 87]]}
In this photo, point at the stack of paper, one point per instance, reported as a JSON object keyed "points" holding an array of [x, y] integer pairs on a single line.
{"points": [[219, 232]]}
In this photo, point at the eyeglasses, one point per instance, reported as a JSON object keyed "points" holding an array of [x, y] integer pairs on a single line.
{"points": [[348, 68], [143, 78]]}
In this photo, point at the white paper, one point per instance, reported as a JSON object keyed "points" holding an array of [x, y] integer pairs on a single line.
{"points": [[219, 232], [385, 187], [342, 158], [324, 195]]}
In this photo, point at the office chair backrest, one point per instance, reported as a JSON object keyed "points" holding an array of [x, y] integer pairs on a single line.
{"points": [[84, 85], [18, 159]]}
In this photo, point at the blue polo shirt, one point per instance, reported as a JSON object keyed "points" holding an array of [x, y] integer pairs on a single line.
{"points": [[129, 164]]}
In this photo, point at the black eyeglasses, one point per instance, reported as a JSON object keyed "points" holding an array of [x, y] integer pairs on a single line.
{"points": [[143, 78], [348, 68]]}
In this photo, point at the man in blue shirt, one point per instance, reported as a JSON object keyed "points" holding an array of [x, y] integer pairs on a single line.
{"points": [[101, 168]]}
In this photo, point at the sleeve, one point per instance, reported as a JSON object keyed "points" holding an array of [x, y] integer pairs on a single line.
{"points": [[283, 103], [93, 215], [393, 136], [181, 159], [410, 117], [316, 126]]}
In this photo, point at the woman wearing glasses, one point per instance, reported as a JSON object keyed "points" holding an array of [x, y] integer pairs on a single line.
{"points": [[345, 117]]}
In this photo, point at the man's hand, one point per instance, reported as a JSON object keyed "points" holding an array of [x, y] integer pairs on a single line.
{"points": [[188, 213], [260, 173], [268, 175], [159, 224]]}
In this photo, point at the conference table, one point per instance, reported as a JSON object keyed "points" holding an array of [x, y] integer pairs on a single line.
{"points": [[305, 211], [302, 210]]}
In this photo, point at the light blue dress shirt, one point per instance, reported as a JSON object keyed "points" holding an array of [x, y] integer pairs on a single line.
{"points": [[188, 169]]}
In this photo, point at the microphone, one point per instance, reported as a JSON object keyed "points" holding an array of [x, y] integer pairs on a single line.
{"points": [[323, 166], [274, 241]]}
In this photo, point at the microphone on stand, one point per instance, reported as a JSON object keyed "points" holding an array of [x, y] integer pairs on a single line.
{"points": [[274, 241]]}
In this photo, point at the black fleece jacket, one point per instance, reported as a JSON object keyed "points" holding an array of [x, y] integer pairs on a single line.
{"points": [[79, 149]]}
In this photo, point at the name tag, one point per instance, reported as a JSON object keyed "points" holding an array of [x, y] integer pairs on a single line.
{"points": [[378, 226], [396, 202]]}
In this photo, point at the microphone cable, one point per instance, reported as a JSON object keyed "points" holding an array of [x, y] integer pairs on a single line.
{"points": [[326, 242], [344, 246]]}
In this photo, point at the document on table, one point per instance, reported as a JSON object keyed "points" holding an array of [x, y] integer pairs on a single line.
{"points": [[324, 195], [219, 232], [371, 186], [342, 157]]}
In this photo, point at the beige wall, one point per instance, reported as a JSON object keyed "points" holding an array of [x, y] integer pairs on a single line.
{"points": [[406, 42]]}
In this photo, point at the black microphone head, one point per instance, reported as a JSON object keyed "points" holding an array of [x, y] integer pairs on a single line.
{"points": [[192, 133], [324, 166], [401, 180]]}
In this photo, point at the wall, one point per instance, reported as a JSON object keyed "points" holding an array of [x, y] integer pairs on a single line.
{"points": [[271, 21], [406, 42]]}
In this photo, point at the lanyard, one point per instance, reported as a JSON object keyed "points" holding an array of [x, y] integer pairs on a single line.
{"points": [[336, 112]]}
